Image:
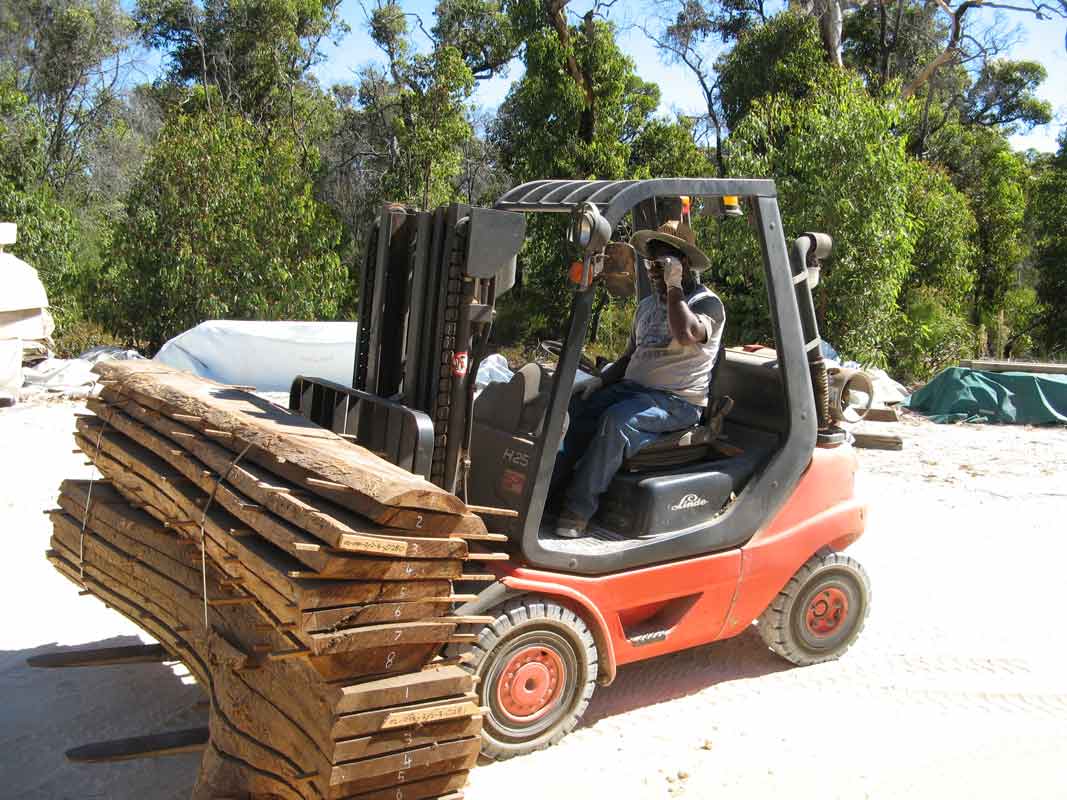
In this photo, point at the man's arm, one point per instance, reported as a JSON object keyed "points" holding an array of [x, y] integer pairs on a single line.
{"points": [[686, 327]]}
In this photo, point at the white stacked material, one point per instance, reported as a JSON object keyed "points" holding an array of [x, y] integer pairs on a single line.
{"points": [[23, 303]]}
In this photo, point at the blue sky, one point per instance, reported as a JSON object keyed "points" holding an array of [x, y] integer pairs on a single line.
{"points": [[1041, 41]]}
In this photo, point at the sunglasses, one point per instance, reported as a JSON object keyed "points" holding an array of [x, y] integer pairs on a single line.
{"points": [[662, 262]]}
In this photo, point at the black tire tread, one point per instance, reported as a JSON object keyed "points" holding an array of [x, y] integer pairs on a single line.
{"points": [[773, 624], [512, 615]]}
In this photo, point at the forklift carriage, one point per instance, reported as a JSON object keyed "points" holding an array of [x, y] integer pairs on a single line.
{"points": [[742, 517]]}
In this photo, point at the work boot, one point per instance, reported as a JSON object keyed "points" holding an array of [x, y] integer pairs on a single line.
{"points": [[570, 525]]}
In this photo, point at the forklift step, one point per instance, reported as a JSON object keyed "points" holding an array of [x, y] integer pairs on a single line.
{"points": [[102, 657], [157, 744], [642, 639]]}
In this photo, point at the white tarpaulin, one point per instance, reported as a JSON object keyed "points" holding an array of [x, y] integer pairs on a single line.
{"points": [[266, 355], [71, 377]]}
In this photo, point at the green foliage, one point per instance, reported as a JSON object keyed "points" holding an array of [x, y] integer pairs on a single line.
{"points": [[222, 220], [1049, 220], [994, 179], [784, 57], [665, 148], [933, 331], [931, 335], [614, 324], [546, 127], [1022, 313], [251, 56], [66, 57], [840, 169], [902, 56], [414, 111], [1004, 94], [481, 31], [22, 137], [945, 231], [221, 224], [430, 126], [46, 231]]}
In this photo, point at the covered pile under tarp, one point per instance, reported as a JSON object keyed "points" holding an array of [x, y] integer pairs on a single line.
{"points": [[959, 394], [266, 355], [23, 303], [25, 324]]}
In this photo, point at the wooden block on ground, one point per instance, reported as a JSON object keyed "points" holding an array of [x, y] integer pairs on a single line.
{"points": [[881, 414], [877, 441]]}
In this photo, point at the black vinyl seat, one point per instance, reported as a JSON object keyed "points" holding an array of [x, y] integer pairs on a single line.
{"points": [[673, 498]]}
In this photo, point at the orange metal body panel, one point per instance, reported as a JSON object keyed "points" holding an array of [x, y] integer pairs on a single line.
{"points": [[715, 596], [823, 512]]}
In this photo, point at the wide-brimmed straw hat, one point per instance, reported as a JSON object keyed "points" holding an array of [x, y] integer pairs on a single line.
{"points": [[679, 236]]}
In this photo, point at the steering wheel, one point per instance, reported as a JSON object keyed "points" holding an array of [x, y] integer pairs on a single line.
{"points": [[555, 348]]}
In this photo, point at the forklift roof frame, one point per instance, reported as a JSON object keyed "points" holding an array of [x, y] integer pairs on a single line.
{"points": [[615, 199]]}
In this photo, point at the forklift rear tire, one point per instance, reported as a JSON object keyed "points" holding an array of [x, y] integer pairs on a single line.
{"points": [[820, 612], [537, 662]]}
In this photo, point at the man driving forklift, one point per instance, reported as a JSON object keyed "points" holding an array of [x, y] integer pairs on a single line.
{"points": [[658, 385]]}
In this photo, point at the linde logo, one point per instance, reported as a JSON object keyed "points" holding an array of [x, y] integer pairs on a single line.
{"points": [[689, 501]]}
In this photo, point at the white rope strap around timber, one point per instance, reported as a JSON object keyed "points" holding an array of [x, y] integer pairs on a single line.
{"points": [[203, 520], [89, 497]]}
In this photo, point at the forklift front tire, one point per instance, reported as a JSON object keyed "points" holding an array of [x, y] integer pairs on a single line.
{"points": [[537, 662], [820, 612]]}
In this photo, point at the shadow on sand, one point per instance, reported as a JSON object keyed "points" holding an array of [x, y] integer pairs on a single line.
{"points": [[45, 712], [669, 677]]}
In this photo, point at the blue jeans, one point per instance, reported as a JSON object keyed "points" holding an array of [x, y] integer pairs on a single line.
{"points": [[612, 425]]}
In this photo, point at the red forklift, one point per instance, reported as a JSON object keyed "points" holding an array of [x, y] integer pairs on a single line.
{"points": [[741, 518]]}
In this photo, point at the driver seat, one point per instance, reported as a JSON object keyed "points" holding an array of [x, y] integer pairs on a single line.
{"points": [[688, 445]]}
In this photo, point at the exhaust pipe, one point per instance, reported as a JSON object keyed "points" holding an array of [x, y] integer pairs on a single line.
{"points": [[843, 382]]}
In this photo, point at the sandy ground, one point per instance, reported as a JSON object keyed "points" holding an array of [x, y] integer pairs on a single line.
{"points": [[956, 689]]}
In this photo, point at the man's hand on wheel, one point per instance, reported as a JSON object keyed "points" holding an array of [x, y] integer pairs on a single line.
{"points": [[594, 384]]}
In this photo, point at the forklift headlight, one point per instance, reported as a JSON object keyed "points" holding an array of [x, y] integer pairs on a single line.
{"points": [[589, 231]]}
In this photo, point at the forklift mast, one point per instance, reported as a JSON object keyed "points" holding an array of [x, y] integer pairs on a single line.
{"points": [[428, 287]]}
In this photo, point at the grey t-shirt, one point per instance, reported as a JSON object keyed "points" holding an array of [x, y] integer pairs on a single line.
{"points": [[659, 362]]}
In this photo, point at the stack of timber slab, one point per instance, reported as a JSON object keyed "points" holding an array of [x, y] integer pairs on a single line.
{"points": [[305, 582]]}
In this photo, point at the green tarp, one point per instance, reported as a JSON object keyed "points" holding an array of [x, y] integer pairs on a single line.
{"points": [[969, 395]]}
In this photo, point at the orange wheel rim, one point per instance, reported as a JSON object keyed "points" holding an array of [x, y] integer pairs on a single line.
{"points": [[530, 684], [826, 612]]}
